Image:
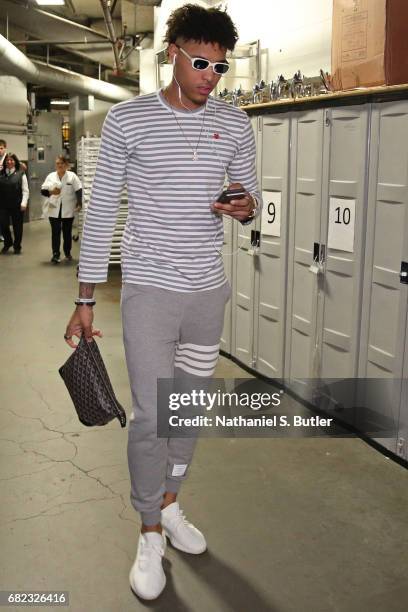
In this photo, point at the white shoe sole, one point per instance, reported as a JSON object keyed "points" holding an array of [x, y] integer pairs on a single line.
{"points": [[144, 596], [179, 547]]}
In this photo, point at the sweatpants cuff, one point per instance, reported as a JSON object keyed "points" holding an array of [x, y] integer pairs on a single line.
{"points": [[151, 518], [172, 486]]}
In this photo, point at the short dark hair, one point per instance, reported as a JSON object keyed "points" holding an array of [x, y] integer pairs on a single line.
{"points": [[3, 142], [16, 161], [193, 22]]}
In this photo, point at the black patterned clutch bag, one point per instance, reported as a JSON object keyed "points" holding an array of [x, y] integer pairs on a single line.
{"points": [[87, 381]]}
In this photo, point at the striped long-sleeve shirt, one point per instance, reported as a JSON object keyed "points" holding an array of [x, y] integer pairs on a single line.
{"points": [[172, 238]]}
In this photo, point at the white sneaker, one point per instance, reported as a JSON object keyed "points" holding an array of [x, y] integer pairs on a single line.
{"points": [[182, 534], [147, 577]]}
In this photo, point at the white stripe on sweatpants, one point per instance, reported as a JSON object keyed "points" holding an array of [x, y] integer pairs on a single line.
{"points": [[201, 348], [197, 359]]}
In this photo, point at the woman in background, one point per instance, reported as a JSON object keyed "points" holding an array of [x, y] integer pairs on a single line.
{"points": [[13, 202], [63, 191]]}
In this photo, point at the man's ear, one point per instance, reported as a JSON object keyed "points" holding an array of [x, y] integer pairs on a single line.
{"points": [[171, 51]]}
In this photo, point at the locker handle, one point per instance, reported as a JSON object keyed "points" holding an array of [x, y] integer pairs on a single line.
{"points": [[404, 273], [255, 238], [255, 242]]}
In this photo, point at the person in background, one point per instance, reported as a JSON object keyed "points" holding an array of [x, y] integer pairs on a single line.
{"points": [[3, 151], [13, 202], [63, 191]]}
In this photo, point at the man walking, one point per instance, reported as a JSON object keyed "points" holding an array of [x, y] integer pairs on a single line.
{"points": [[173, 149], [3, 153]]}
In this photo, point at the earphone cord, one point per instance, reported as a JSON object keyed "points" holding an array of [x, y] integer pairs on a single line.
{"points": [[214, 217]]}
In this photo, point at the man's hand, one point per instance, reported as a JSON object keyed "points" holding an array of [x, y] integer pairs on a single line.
{"points": [[81, 323], [55, 191], [238, 209]]}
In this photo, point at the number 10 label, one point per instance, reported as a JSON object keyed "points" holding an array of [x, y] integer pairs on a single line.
{"points": [[342, 214], [271, 213]]}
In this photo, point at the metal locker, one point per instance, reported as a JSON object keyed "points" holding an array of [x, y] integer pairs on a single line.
{"points": [[306, 166], [225, 342], [243, 275], [271, 262], [343, 239], [383, 334]]}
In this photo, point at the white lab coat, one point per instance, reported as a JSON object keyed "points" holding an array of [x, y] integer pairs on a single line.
{"points": [[68, 184]]}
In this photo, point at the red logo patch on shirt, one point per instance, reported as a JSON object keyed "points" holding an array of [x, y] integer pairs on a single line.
{"points": [[216, 135]]}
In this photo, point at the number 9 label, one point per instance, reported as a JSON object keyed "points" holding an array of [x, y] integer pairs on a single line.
{"points": [[271, 213]]}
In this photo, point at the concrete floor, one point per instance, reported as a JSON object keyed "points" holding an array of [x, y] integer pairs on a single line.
{"points": [[305, 525]]}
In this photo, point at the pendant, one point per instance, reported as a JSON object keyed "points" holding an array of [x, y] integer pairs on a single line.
{"points": [[195, 156]]}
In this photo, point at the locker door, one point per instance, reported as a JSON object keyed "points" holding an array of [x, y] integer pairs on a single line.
{"points": [[385, 297], [305, 216], [270, 275], [225, 341], [243, 280], [402, 437], [242, 296], [343, 233]]}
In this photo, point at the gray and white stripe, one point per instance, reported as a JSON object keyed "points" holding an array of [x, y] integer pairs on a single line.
{"points": [[197, 359], [172, 238]]}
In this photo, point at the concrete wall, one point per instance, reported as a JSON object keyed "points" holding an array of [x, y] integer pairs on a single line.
{"points": [[294, 34], [13, 110], [47, 137], [147, 81], [83, 122]]}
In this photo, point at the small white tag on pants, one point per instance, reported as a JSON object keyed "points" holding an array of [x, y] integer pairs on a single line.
{"points": [[179, 470]]}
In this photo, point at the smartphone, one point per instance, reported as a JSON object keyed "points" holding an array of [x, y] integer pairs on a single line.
{"points": [[231, 194]]}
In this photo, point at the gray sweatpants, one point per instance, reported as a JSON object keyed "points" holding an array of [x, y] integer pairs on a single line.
{"points": [[166, 334]]}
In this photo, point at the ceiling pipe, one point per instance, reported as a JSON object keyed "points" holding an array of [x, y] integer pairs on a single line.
{"points": [[147, 2], [60, 42], [13, 62], [111, 32]]}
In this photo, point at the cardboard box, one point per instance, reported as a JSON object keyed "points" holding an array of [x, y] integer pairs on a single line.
{"points": [[369, 43]]}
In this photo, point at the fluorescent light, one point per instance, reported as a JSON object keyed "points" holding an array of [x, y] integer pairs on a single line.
{"points": [[50, 2], [60, 102]]}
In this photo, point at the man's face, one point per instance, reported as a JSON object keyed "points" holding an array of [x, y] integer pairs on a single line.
{"points": [[196, 84], [2, 150]]}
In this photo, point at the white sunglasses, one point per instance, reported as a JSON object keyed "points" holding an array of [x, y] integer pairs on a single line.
{"points": [[199, 63]]}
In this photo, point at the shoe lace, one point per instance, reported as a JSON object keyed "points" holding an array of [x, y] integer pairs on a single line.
{"points": [[180, 519], [147, 550]]}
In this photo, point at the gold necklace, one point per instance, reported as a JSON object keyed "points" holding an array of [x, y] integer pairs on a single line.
{"points": [[195, 153]]}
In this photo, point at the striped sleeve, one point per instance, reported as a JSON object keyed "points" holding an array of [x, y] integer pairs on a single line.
{"points": [[242, 168], [107, 187]]}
